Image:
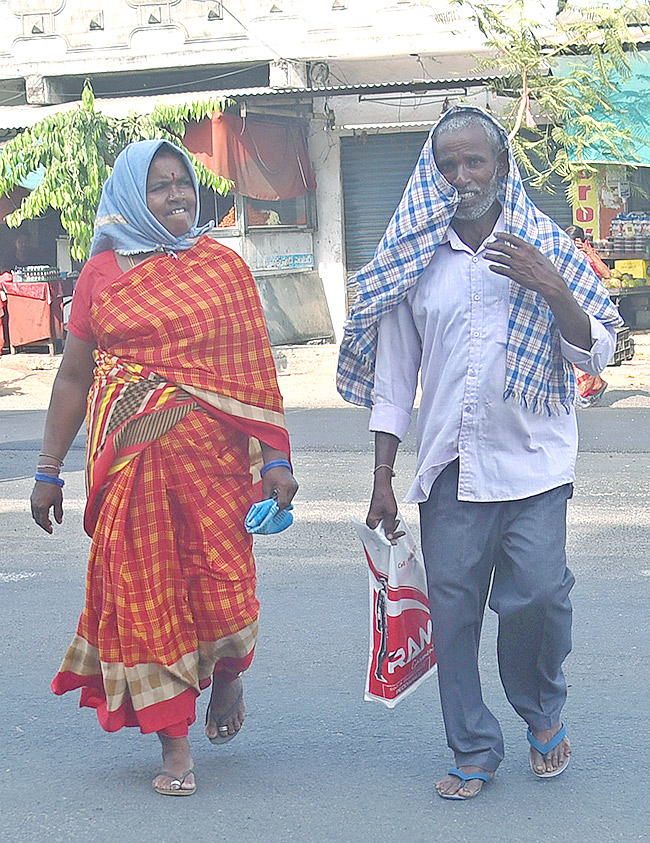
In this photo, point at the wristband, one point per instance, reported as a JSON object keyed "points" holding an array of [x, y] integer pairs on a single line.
{"points": [[275, 464], [49, 478]]}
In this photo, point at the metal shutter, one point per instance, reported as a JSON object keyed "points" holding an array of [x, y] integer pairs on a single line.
{"points": [[554, 205], [375, 171]]}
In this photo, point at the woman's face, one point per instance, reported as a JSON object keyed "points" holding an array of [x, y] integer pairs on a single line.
{"points": [[170, 193]]}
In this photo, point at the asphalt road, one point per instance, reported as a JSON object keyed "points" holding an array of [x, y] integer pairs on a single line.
{"points": [[314, 762]]}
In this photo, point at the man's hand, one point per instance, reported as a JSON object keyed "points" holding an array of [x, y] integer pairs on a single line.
{"points": [[383, 507], [526, 265]]}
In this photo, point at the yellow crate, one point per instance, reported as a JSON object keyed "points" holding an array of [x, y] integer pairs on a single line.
{"points": [[637, 268]]}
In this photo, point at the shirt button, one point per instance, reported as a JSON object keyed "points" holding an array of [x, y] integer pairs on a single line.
{"points": [[472, 373], [474, 260], [477, 298], [468, 409], [476, 334]]}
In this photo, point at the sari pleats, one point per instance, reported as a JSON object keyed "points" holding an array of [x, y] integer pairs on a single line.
{"points": [[151, 635]]}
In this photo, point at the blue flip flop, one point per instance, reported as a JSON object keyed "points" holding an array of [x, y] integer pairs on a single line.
{"points": [[465, 777], [544, 749]]}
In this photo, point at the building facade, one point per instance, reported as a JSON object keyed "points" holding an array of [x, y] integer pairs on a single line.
{"points": [[354, 85]]}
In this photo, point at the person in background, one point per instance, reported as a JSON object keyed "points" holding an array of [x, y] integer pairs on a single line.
{"points": [[591, 387], [24, 252], [19, 254], [167, 349]]}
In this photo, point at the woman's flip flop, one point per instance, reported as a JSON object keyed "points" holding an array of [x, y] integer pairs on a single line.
{"points": [[222, 735], [176, 785]]}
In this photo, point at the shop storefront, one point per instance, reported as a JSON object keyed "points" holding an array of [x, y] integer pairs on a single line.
{"points": [[34, 288], [614, 202], [614, 210], [269, 217]]}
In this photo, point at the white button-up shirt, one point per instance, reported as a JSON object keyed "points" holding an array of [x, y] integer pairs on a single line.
{"points": [[452, 328]]}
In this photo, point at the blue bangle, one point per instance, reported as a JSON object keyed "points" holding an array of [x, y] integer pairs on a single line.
{"points": [[49, 478], [275, 464]]}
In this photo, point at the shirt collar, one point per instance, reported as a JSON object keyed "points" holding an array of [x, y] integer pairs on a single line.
{"points": [[457, 244]]}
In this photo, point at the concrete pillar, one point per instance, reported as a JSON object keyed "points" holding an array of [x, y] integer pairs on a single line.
{"points": [[39, 90], [329, 243], [288, 74]]}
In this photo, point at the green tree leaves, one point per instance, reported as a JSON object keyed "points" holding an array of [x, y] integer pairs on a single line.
{"points": [[77, 149], [574, 111]]}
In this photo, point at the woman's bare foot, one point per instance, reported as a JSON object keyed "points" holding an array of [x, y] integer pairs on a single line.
{"points": [[226, 708], [177, 760], [453, 786], [554, 759]]}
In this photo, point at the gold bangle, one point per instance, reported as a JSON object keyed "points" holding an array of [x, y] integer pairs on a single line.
{"points": [[389, 467]]}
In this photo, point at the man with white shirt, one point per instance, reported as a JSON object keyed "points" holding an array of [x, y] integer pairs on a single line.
{"points": [[484, 297]]}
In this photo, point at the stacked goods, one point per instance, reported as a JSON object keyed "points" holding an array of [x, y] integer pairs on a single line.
{"points": [[630, 232], [624, 346], [629, 273], [36, 273]]}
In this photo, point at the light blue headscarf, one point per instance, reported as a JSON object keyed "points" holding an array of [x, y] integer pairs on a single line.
{"points": [[124, 222]]}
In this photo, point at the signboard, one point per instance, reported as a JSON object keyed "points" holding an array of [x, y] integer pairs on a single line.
{"points": [[585, 213], [288, 262]]}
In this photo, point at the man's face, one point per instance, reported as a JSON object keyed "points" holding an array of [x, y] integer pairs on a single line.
{"points": [[468, 162], [170, 193]]}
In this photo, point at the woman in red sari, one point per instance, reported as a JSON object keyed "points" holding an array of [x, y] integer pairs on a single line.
{"points": [[591, 388], [167, 356]]}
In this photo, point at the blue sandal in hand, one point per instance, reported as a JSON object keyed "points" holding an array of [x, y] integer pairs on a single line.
{"points": [[544, 749], [265, 518]]}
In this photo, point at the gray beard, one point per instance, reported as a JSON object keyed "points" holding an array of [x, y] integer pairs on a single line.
{"points": [[484, 205]]}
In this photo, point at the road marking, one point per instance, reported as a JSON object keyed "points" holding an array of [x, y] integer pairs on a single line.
{"points": [[16, 576], [22, 504]]}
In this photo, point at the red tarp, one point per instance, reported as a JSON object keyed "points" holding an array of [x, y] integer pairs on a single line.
{"points": [[33, 310], [265, 160]]}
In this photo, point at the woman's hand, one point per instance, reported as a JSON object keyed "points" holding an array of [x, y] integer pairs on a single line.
{"points": [[279, 483], [46, 496]]}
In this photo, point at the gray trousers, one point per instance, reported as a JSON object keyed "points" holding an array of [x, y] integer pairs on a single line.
{"points": [[518, 547]]}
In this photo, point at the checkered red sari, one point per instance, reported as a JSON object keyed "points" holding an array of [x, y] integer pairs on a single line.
{"points": [[184, 388]]}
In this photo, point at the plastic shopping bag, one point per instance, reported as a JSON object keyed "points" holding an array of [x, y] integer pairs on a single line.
{"points": [[401, 644]]}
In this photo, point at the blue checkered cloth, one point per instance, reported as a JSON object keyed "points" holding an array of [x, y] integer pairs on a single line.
{"points": [[537, 375]]}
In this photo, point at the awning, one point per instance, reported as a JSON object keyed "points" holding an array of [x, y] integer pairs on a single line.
{"points": [[631, 101], [23, 116]]}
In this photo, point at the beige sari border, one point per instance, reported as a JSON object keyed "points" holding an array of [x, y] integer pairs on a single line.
{"points": [[150, 683]]}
